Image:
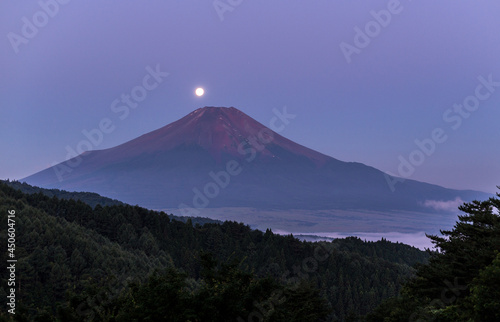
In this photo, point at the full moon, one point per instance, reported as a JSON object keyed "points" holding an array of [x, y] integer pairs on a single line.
{"points": [[199, 91]]}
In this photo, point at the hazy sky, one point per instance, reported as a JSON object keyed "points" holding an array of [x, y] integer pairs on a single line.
{"points": [[365, 79]]}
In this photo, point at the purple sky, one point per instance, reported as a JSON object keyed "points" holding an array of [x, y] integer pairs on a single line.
{"points": [[264, 55]]}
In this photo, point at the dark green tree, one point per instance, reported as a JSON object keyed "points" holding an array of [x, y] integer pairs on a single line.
{"points": [[455, 284], [486, 292]]}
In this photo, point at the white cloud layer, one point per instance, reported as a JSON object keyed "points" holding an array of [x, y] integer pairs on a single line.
{"points": [[449, 205], [417, 239]]}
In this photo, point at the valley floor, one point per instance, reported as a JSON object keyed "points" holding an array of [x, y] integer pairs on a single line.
{"points": [[406, 227]]}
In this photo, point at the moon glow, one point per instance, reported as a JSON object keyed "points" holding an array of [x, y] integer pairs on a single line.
{"points": [[199, 91]]}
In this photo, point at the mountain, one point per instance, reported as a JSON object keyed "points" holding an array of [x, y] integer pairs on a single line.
{"points": [[220, 157]]}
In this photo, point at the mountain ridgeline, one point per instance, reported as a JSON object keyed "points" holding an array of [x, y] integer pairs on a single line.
{"points": [[120, 262], [220, 157]]}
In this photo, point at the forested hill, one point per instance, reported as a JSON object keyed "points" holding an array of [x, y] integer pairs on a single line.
{"points": [[91, 198], [121, 262]]}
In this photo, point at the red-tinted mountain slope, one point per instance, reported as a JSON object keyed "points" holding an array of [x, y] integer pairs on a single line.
{"points": [[221, 157]]}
